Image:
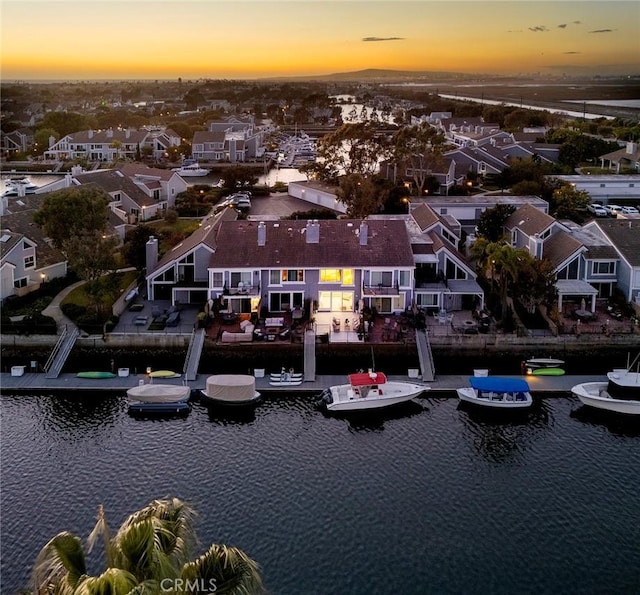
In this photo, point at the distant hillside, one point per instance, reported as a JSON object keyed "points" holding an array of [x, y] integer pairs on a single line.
{"points": [[376, 75]]}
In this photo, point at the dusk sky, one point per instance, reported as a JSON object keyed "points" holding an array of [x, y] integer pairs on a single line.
{"points": [[151, 39]]}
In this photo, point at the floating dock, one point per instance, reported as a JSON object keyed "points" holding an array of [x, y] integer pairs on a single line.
{"points": [[31, 383]]}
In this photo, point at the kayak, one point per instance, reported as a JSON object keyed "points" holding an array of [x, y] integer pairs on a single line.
{"points": [[95, 375]]}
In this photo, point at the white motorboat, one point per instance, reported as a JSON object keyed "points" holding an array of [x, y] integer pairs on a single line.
{"points": [[369, 390], [19, 187], [231, 389], [191, 170], [620, 394], [286, 378], [496, 392], [159, 399]]}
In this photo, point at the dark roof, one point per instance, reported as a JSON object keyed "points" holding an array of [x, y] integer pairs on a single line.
{"points": [[529, 220], [559, 247], [624, 234], [338, 246]]}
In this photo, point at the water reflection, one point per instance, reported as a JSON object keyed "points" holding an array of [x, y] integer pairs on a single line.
{"points": [[501, 435], [229, 415], [617, 424], [373, 420], [90, 411]]}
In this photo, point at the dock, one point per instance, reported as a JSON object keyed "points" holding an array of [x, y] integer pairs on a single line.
{"points": [[33, 383]]}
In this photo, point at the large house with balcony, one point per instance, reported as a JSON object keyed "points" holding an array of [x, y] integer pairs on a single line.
{"points": [[229, 140], [98, 145], [388, 264], [590, 261]]}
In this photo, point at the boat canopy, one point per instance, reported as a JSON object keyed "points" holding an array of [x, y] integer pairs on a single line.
{"points": [[231, 387], [159, 393], [499, 385], [367, 378]]}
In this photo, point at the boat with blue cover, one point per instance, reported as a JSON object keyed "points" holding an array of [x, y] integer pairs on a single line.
{"points": [[497, 392]]}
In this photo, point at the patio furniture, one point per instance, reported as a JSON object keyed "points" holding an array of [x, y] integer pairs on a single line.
{"points": [[141, 320]]}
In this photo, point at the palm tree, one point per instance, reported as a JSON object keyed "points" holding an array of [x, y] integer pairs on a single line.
{"points": [[150, 553]]}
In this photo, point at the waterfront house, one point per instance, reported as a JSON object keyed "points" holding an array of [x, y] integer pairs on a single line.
{"points": [[231, 140], [27, 257], [98, 145], [138, 192]]}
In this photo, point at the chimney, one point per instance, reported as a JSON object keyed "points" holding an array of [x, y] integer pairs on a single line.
{"points": [[52, 141], [151, 253], [631, 148], [313, 231], [364, 233], [128, 133], [262, 233], [110, 133], [90, 133]]}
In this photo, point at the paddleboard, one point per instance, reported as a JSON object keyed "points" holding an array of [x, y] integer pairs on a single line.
{"points": [[95, 375], [548, 372], [164, 374]]}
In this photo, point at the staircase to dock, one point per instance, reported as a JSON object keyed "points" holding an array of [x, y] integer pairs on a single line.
{"points": [[309, 355], [61, 352], [192, 361], [425, 356]]}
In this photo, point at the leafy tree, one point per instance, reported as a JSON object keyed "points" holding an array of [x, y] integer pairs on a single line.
{"points": [[69, 213], [239, 175], [491, 222], [420, 149], [66, 122], [151, 549], [351, 149], [360, 196], [135, 246], [568, 202], [535, 284], [41, 139]]}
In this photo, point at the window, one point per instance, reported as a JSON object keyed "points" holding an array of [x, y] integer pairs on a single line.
{"points": [[274, 277], [292, 276], [604, 268], [381, 278], [405, 278], [20, 282], [330, 275], [241, 277], [427, 300], [453, 271], [29, 262], [217, 279]]}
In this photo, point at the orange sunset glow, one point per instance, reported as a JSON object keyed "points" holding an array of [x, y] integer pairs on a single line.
{"points": [[142, 39]]}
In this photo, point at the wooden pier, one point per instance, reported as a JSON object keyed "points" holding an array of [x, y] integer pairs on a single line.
{"points": [[34, 383]]}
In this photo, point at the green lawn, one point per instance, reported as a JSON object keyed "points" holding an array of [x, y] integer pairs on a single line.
{"points": [[79, 296]]}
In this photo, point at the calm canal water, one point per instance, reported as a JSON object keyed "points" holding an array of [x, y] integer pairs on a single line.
{"points": [[429, 498]]}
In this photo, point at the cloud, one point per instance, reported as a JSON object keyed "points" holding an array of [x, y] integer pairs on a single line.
{"points": [[602, 31], [563, 26], [382, 38], [538, 29], [570, 53]]}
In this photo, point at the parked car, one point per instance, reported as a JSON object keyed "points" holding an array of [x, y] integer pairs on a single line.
{"points": [[612, 210], [597, 210], [629, 211]]}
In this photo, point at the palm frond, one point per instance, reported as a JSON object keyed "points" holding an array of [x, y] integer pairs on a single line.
{"points": [[60, 563], [232, 571], [101, 529], [113, 581]]}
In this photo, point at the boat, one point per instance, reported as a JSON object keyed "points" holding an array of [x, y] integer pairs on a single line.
{"points": [[541, 363], [159, 399], [368, 390], [95, 375], [163, 374], [191, 170], [19, 186], [286, 378], [620, 394], [497, 392], [231, 389]]}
